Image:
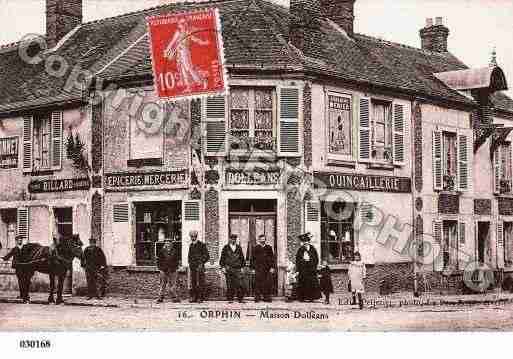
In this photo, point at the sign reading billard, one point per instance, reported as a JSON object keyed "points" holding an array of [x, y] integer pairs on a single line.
{"points": [[130, 180], [252, 177], [361, 182], [59, 185]]}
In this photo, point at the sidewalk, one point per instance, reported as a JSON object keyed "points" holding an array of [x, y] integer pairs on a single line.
{"points": [[372, 300]]}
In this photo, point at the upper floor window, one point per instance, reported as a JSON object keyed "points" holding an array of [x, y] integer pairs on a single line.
{"points": [[9, 152], [340, 124], [502, 168], [41, 143], [452, 154], [381, 131], [252, 119], [450, 161]]}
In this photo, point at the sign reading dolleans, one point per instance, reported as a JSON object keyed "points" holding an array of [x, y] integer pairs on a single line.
{"points": [[361, 182], [59, 185], [129, 180], [252, 178]]}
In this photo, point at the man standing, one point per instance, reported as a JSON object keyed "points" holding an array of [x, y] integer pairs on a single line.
{"points": [[167, 262], [262, 262], [93, 261], [15, 254], [198, 256], [231, 263], [307, 261]]}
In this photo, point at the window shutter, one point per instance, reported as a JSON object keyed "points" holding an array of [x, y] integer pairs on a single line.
{"points": [[398, 141], [289, 143], [23, 223], [364, 130], [215, 123], [437, 161], [365, 242], [27, 143], [121, 239], [438, 261], [497, 170], [56, 140], [500, 244], [463, 163], [461, 246], [191, 222], [313, 222]]}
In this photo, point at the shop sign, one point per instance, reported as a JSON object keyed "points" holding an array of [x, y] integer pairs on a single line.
{"points": [[59, 185], [130, 180], [361, 182], [252, 177]]}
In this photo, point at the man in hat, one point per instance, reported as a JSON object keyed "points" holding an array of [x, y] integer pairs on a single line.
{"points": [[15, 254], [168, 257], [198, 256], [94, 261], [307, 261], [231, 263], [262, 262]]}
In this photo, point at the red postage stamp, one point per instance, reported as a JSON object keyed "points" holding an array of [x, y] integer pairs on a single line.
{"points": [[187, 54]]}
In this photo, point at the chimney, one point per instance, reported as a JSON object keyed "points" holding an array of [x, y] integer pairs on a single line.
{"points": [[340, 12], [434, 36], [62, 16], [305, 18]]}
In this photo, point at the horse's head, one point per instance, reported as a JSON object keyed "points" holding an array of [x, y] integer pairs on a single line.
{"points": [[72, 246]]}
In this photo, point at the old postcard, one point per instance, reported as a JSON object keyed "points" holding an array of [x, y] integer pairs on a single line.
{"points": [[255, 165]]}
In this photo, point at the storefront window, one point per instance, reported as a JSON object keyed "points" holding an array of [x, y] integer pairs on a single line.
{"points": [[150, 216], [381, 131], [450, 244], [41, 143], [337, 231], [64, 220], [339, 117], [252, 119]]}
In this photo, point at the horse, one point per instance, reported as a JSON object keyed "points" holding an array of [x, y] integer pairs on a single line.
{"points": [[54, 261]]}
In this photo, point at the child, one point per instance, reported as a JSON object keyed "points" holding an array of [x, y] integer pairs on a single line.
{"points": [[290, 292], [326, 283], [357, 274]]}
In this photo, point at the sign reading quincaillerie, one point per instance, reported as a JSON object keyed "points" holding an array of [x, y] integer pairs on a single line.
{"points": [[130, 180], [360, 182], [252, 177], [59, 185]]}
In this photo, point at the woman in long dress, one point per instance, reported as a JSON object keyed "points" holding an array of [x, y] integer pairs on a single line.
{"points": [[357, 274], [307, 260]]}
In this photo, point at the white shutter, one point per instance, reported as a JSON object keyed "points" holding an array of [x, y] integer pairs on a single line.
{"points": [[500, 244], [289, 141], [313, 223], [365, 242], [438, 261], [398, 133], [215, 126], [191, 221], [437, 161], [461, 245], [56, 151], [497, 170], [121, 239], [27, 143], [463, 163], [364, 130], [23, 223]]}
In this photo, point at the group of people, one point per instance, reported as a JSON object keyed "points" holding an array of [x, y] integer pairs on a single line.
{"points": [[305, 282]]}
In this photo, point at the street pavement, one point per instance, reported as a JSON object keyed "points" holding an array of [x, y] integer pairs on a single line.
{"points": [[393, 313]]}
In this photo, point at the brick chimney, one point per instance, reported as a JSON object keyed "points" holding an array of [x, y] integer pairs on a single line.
{"points": [[434, 36], [62, 16], [305, 18], [341, 12]]}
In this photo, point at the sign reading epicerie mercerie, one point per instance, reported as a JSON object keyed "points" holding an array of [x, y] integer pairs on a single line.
{"points": [[361, 182], [128, 180], [59, 185]]}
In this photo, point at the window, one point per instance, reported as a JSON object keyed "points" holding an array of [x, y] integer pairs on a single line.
{"points": [[450, 244], [252, 119], [150, 216], [502, 158], [9, 152], [381, 131], [339, 125], [64, 221], [508, 243], [8, 226], [337, 234], [41, 143], [450, 161]]}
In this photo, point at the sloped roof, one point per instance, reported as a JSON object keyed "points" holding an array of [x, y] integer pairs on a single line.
{"points": [[255, 34], [492, 78]]}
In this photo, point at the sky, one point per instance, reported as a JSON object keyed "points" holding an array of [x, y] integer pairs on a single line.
{"points": [[476, 26]]}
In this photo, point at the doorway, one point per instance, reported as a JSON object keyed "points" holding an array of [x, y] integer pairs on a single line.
{"points": [[483, 236], [64, 224], [248, 219]]}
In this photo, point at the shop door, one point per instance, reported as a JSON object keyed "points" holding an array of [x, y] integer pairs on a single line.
{"points": [[64, 224], [248, 227], [483, 236]]}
